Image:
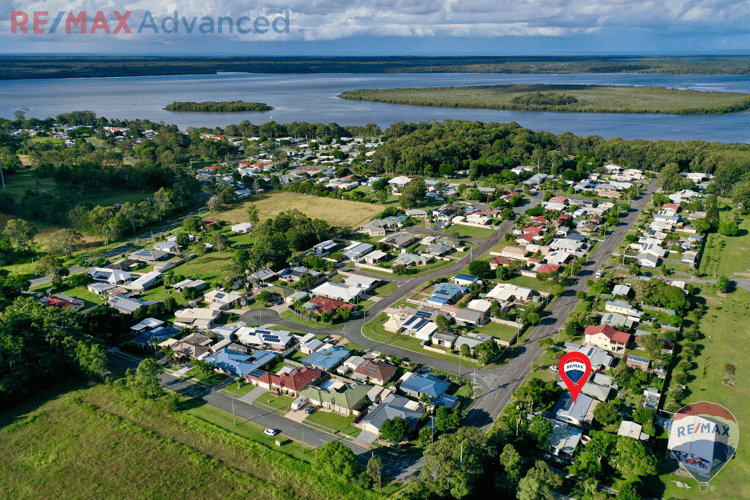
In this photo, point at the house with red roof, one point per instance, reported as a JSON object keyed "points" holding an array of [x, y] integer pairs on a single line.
{"points": [[541, 220], [606, 337], [533, 230], [495, 262], [525, 239], [671, 207], [558, 199], [290, 383], [324, 304], [548, 268]]}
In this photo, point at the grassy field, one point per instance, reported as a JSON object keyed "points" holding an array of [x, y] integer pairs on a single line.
{"points": [[334, 421], [471, 231], [587, 98], [137, 449], [338, 213], [498, 331], [726, 324], [727, 255]]}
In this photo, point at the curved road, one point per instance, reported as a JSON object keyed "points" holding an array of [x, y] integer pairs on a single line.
{"points": [[497, 384]]}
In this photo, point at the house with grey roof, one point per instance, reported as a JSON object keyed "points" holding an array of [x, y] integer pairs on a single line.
{"points": [[392, 406], [579, 413], [358, 250], [128, 305], [564, 439]]}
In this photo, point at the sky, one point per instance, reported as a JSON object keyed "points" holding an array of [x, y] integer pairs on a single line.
{"points": [[382, 27]]}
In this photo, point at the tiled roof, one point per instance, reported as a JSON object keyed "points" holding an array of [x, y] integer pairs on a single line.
{"points": [[609, 332]]}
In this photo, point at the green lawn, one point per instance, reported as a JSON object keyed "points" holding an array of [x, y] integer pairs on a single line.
{"points": [[727, 255], [384, 290], [335, 421], [211, 378], [726, 322], [471, 231], [374, 330], [303, 321], [499, 331], [283, 403], [159, 293], [528, 282], [241, 391], [79, 292], [207, 267]]}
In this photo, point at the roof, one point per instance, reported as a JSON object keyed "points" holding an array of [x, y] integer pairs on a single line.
{"points": [[128, 304], [392, 406], [148, 254], [377, 369], [324, 304], [147, 323], [336, 291], [296, 380], [238, 363], [609, 332], [576, 410], [564, 437], [349, 396], [469, 315], [357, 280], [426, 384], [146, 279], [327, 359], [466, 277], [259, 336]]}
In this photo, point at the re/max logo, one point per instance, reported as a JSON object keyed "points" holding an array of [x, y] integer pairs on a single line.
{"points": [[19, 22], [688, 429]]}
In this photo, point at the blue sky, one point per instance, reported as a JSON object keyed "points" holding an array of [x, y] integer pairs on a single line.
{"points": [[396, 27]]}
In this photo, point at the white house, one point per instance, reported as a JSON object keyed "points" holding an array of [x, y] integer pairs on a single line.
{"points": [[338, 292], [221, 300], [242, 228]]}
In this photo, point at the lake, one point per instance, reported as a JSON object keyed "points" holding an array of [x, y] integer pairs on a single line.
{"points": [[312, 98]]}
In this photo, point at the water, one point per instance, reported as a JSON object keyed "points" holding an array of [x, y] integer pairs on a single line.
{"points": [[312, 98]]}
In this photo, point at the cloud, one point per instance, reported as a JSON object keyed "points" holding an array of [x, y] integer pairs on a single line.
{"points": [[325, 20]]}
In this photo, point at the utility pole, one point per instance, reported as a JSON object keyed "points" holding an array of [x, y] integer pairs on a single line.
{"points": [[234, 417]]}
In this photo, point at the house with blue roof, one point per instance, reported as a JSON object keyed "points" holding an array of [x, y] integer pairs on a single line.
{"points": [[327, 359], [238, 364], [429, 385], [446, 293], [392, 406]]}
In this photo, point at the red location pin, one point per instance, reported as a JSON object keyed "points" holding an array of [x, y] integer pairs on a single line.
{"points": [[575, 369]]}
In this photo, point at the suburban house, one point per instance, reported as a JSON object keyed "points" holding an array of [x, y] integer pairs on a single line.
{"points": [[191, 347], [358, 281], [648, 260], [377, 227], [417, 327], [158, 334], [409, 260], [471, 317], [514, 253], [145, 281], [338, 292], [237, 363], [104, 289], [260, 338], [324, 304], [445, 340], [621, 307], [579, 413], [392, 406], [111, 276], [264, 276], [62, 302], [167, 246], [617, 320], [327, 359], [221, 300], [375, 371], [564, 439], [146, 325], [636, 362], [201, 319], [338, 396], [607, 338], [242, 228], [294, 274], [465, 280], [128, 305], [399, 183], [632, 430], [505, 292], [149, 256], [399, 240], [375, 257], [596, 391], [430, 386], [309, 344], [446, 293], [290, 383], [324, 248], [297, 296], [357, 250], [621, 290], [498, 261], [182, 285]]}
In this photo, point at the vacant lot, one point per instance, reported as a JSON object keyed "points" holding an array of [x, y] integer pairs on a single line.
{"points": [[726, 324], [136, 449], [338, 213], [590, 98]]}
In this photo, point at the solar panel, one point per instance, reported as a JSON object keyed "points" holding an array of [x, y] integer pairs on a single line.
{"points": [[424, 314], [262, 332]]}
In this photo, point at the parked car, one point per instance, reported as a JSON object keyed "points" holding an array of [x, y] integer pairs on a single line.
{"points": [[310, 409], [271, 432]]}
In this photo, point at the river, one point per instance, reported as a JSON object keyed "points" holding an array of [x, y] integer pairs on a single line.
{"points": [[312, 98]]}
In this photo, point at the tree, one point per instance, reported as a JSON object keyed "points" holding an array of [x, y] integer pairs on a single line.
{"points": [[215, 203], [413, 194], [741, 195], [538, 483], [394, 429], [465, 350], [131, 213], [539, 431], [375, 470], [252, 214], [400, 269], [220, 241], [20, 233], [447, 419], [606, 413], [487, 351], [146, 380], [532, 318], [701, 226], [51, 266], [443, 324], [512, 462], [336, 460], [481, 269], [632, 458], [728, 228], [628, 492], [722, 284], [644, 415], [586, 465], [454, 463], [651, 344], [92, 358], [64, 241]]}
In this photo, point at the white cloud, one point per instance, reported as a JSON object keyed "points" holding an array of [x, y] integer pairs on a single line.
{"points": [[335, 19]]}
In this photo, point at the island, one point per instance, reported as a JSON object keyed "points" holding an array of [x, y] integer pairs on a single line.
{"points": [[563, 98], [218, 107]]}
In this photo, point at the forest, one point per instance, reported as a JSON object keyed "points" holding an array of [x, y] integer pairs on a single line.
{"points": [[218, 107]]}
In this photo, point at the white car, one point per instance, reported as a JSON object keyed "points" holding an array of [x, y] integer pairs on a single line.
{"points": [[271, 432]]}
